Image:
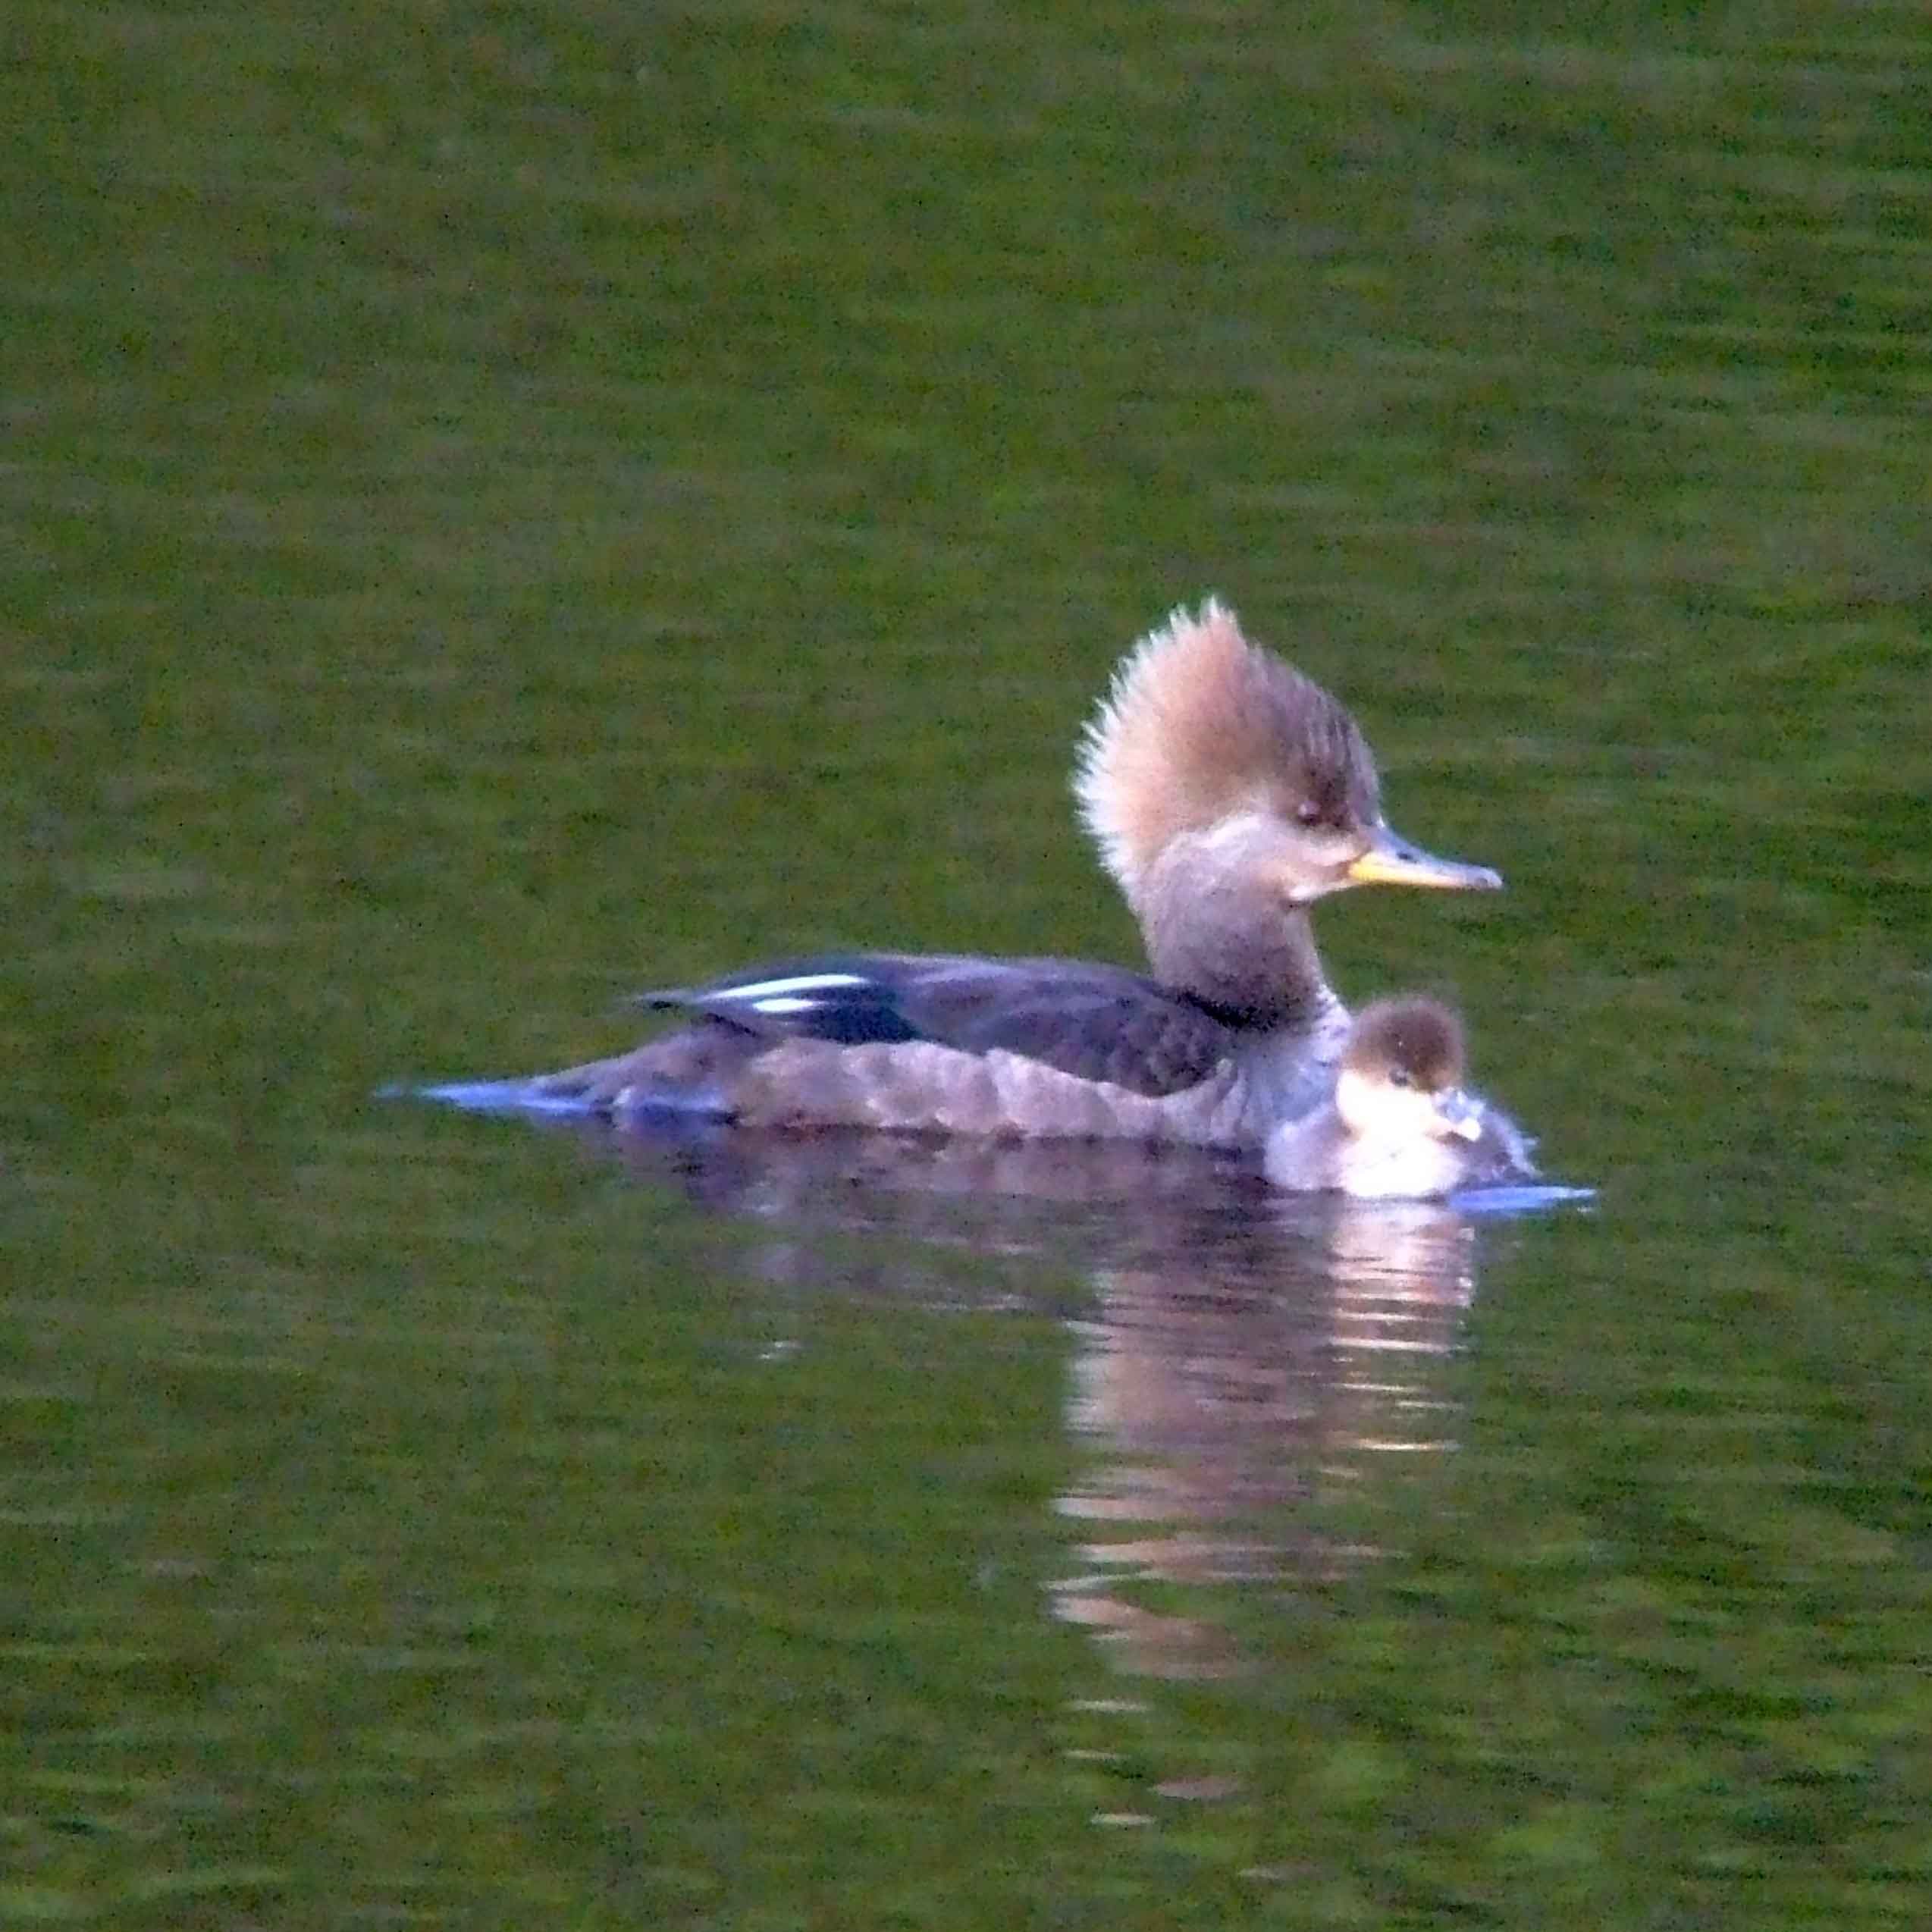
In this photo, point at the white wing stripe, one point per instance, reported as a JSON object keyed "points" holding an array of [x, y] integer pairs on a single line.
{"points": [[759, 991]]}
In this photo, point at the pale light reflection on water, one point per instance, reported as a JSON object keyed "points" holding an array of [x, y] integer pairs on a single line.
{"points": [[1226, 1395], [1244, 1366], [1239, 1356]]}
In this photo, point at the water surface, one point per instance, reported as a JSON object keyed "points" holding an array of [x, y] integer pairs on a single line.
{"points": [[503, 506]]}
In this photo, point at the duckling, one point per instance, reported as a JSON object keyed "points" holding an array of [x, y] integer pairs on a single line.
{"points": [[1227, 793], [1400, 1124]]}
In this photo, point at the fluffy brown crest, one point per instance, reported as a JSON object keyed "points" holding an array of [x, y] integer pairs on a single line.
{"points": [[1420, 1037], [1200, 726]]}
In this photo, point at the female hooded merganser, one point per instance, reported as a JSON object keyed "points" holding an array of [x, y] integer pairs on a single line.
{"points": [[1399, 1124], [1227, 792]]}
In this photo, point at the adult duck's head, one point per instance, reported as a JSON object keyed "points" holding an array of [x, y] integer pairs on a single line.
{"points": [[1227, 793]]}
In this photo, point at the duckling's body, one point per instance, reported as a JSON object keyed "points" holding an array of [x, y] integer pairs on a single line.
{"points": [[1227, 792], [1399, 1124]]}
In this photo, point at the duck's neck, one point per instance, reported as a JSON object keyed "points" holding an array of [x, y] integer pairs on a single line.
{"points": [[1211, 934]]}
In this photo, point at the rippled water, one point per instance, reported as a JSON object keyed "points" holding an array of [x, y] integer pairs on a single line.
{"points": [[502, 506]]}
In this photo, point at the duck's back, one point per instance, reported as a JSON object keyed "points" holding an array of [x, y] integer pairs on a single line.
{"points": [[952, 1042]]}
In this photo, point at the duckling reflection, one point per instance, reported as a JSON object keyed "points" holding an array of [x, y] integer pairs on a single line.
{"points": [[1227, 1416], [1400, 1124]]}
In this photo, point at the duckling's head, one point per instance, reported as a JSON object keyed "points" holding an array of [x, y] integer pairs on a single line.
{"points": [[1205, 742], [1401, 1076]]}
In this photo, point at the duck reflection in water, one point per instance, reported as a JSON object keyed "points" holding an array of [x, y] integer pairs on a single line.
{"points": [[1240, 1356], [1226, 1416]]}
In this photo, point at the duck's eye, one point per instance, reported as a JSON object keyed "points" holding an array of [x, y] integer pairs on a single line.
{"points": [[1400, 1077], [1310, 812]]}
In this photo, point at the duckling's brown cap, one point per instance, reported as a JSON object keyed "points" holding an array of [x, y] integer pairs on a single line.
{"points": [[1419, 1037]]}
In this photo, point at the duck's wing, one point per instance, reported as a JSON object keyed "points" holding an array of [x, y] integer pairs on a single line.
{"points": [[1094, 1022]]}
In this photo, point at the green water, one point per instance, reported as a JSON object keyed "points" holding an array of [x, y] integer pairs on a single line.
{"points": [[500, 505]]}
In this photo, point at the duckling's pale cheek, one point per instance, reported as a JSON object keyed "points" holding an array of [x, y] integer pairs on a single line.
{"points": [[1355, 1101]]}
